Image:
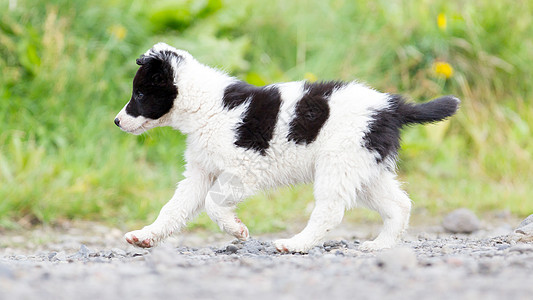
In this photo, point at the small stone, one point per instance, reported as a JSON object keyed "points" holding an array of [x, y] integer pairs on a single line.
{"points": [[251, 246], [316, 251], [502, 247], [60, 256], [84, 253], [137, 258], [401, 258], [461, 221], [51, 255], [107, 254], [332, 244], [446, 249], [232, 249], [139, 252], [118, 252], [523, 234], [525, 230], [526, 221]]}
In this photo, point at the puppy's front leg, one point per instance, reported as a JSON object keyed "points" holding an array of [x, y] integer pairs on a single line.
{"points": [[186, 203], [226, 192]]}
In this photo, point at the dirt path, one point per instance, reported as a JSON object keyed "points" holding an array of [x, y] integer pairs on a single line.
{"points": [[94, 263]]}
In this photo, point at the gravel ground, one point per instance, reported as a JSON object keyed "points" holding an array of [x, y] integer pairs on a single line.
{"points": [[92, 262]]}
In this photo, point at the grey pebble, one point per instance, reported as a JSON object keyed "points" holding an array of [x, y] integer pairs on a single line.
{"points": [[333, 244], [51, 255], [84, 250], [252, 246], [461, 221], [60, 256], [107, 253], [316, 251], [446, 249], [118, 252], [526, 221], [526, 230], [502, 247], [232, 249]]}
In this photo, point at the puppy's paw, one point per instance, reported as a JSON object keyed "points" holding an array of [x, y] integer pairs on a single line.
{"points": [[236, 228], [292, 245], [376, 245], [141, 238], [242, 232]]}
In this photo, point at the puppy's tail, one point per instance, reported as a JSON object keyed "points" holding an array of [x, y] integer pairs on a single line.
{"points": [[429, 112]]}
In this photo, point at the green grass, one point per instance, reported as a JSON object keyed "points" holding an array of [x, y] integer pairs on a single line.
{"points": [[67, 68]]}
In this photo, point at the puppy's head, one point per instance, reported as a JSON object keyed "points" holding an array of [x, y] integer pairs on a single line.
{"points": [[154, 90]]}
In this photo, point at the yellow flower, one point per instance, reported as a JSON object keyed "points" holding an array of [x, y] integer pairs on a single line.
{"points": [[310, 77], [441, 21], [118, 31], [442, 69]]}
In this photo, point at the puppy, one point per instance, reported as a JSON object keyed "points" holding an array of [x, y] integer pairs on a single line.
{"points": [[343, 136]]}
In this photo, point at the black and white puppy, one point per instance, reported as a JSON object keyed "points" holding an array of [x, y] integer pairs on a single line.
{"points": [[343, 136]]}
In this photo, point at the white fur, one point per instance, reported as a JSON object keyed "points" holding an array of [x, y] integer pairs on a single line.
{"points": [[219, 175]]}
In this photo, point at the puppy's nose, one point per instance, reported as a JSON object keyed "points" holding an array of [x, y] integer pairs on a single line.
{"points": [[117, 122]]}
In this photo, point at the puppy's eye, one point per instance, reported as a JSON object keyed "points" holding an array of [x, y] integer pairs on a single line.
{"points": [[140, 95]]}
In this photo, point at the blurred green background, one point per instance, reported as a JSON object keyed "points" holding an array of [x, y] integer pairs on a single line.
{"points": [[67, 68]]}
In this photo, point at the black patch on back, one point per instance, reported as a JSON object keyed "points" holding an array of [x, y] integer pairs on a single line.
{"points": [[257, 126], [236, 94], [384, 134], [312, 111], [154, 91]]}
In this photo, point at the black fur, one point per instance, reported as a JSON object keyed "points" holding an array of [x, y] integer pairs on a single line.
{"points": [[384, 134], [257, 126], [153, 87], [312, 111], [236, 94], [429, 112]]}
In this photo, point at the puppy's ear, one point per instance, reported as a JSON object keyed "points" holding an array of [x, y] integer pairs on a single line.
{"points": [[141, 60]]}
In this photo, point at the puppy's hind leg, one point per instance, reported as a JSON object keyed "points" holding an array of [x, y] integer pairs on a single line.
{"points": [[392, 203], [332, 192]]}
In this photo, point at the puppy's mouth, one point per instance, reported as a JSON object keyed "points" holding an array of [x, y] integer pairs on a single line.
{"points": [[134, 125], [137, 131]]}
